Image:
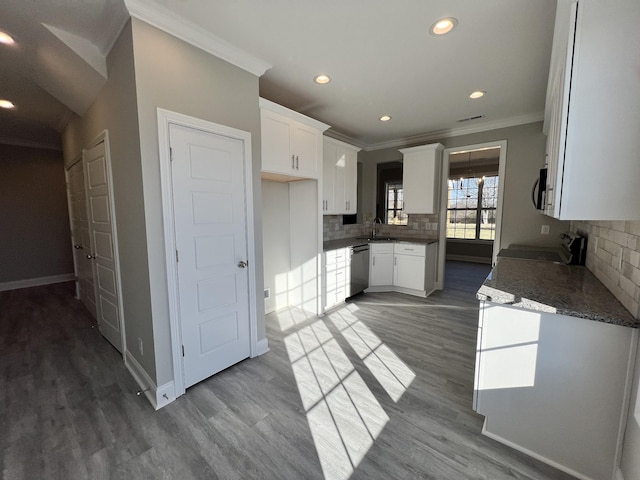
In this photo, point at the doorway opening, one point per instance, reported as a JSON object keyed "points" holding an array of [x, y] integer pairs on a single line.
{"points": [[471, 204]]}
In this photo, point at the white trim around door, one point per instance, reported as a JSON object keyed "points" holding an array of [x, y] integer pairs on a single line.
{"points": [[167, 118], [442, 241]]}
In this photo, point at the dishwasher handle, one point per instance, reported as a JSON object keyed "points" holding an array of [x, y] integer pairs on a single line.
{"points": [[360, 249]]}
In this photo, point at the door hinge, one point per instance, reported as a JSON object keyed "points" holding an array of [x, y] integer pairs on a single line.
{"points": [[183, 350], [170, 154], [177, 259]]}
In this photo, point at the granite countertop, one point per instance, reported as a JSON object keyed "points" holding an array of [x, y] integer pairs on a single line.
{"points": [[350, 242], [554, 288]]}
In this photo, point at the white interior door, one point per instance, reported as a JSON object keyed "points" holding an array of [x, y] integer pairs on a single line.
{"points": [[103, 256], [208, 187], [81, 238]]}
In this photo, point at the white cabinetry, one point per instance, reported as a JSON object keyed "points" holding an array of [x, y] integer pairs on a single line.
{"points": [[554, 386], [421, 179], [291, 142], [409, 266], [337, 271], [591, 117], [339, 177], [380, 265], [402, 267]]}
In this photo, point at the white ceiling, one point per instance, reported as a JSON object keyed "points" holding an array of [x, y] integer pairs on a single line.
{"points": [[379, 54]]}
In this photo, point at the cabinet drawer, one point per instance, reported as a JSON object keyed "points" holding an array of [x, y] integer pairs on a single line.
{"points": [[410, 249], [381, 247], [336, 257]]}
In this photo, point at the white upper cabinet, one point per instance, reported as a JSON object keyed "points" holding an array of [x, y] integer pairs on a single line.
{"points": [[291, 142], [591, 116], [421, 167], [339, 178]]}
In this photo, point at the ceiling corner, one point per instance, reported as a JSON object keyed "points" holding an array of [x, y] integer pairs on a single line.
{"points": [[160, 17]]}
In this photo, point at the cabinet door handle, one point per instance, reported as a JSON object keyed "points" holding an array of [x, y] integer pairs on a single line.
{"points": [[293, 161], [297, 162], [395, 261], [374, 261]]}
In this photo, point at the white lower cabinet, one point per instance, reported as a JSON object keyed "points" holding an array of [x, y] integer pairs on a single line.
{"points": [[336, 279], [555, 386], [380, 264], [402, 267], [409, 266]]}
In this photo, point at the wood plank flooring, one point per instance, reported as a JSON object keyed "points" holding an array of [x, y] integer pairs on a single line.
{"points": [[381, 388]]}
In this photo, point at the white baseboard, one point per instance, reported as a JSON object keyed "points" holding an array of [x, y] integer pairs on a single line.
{"points": [[165, 394], [391, 288], [262, 347], [36, 282], [158, 397], [532, 454]]}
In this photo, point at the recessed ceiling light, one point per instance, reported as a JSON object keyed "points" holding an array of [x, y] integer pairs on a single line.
{"points": [[6, 38], [444, 25], [6, 104], [322, 79], [385, 118], [477, 94]]}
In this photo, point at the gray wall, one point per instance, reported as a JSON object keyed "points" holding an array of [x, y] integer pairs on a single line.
{"points": [[176, 76], [521, 223], [35, 239], [115, 109], [149, 69]]}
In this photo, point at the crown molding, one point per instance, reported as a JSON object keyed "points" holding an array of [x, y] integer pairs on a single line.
{"points": [[456, 132], [287, 112], [30, 144], [345, 139], [160, 17]]}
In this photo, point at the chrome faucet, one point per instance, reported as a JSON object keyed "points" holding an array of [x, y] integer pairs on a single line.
{"points": [[374, 231]]}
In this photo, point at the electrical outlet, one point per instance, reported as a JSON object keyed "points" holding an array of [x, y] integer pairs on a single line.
{"points": [[140, 346], [544, 230]]}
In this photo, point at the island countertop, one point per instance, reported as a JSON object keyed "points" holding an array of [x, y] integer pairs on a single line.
{"points": [[553, 288]]}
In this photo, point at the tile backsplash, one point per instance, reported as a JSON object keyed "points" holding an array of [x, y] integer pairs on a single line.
{"points": [[418, 226], [613, 256]]}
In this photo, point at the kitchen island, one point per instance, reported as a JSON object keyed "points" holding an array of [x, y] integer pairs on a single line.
{"points": [[554, 365]]}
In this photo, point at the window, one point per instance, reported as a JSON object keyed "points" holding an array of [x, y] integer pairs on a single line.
{"points": [[394, 204], [471, 208]]}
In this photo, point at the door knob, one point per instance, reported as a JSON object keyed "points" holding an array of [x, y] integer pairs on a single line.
{"points": [[91, 257], [242, 264], [77, 246]]}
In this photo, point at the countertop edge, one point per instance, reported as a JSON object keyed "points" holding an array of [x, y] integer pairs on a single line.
{"points": [[534, 298], [351, 241]]}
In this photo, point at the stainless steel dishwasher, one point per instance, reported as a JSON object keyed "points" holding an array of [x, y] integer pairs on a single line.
{"points": [[359, 268]]}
